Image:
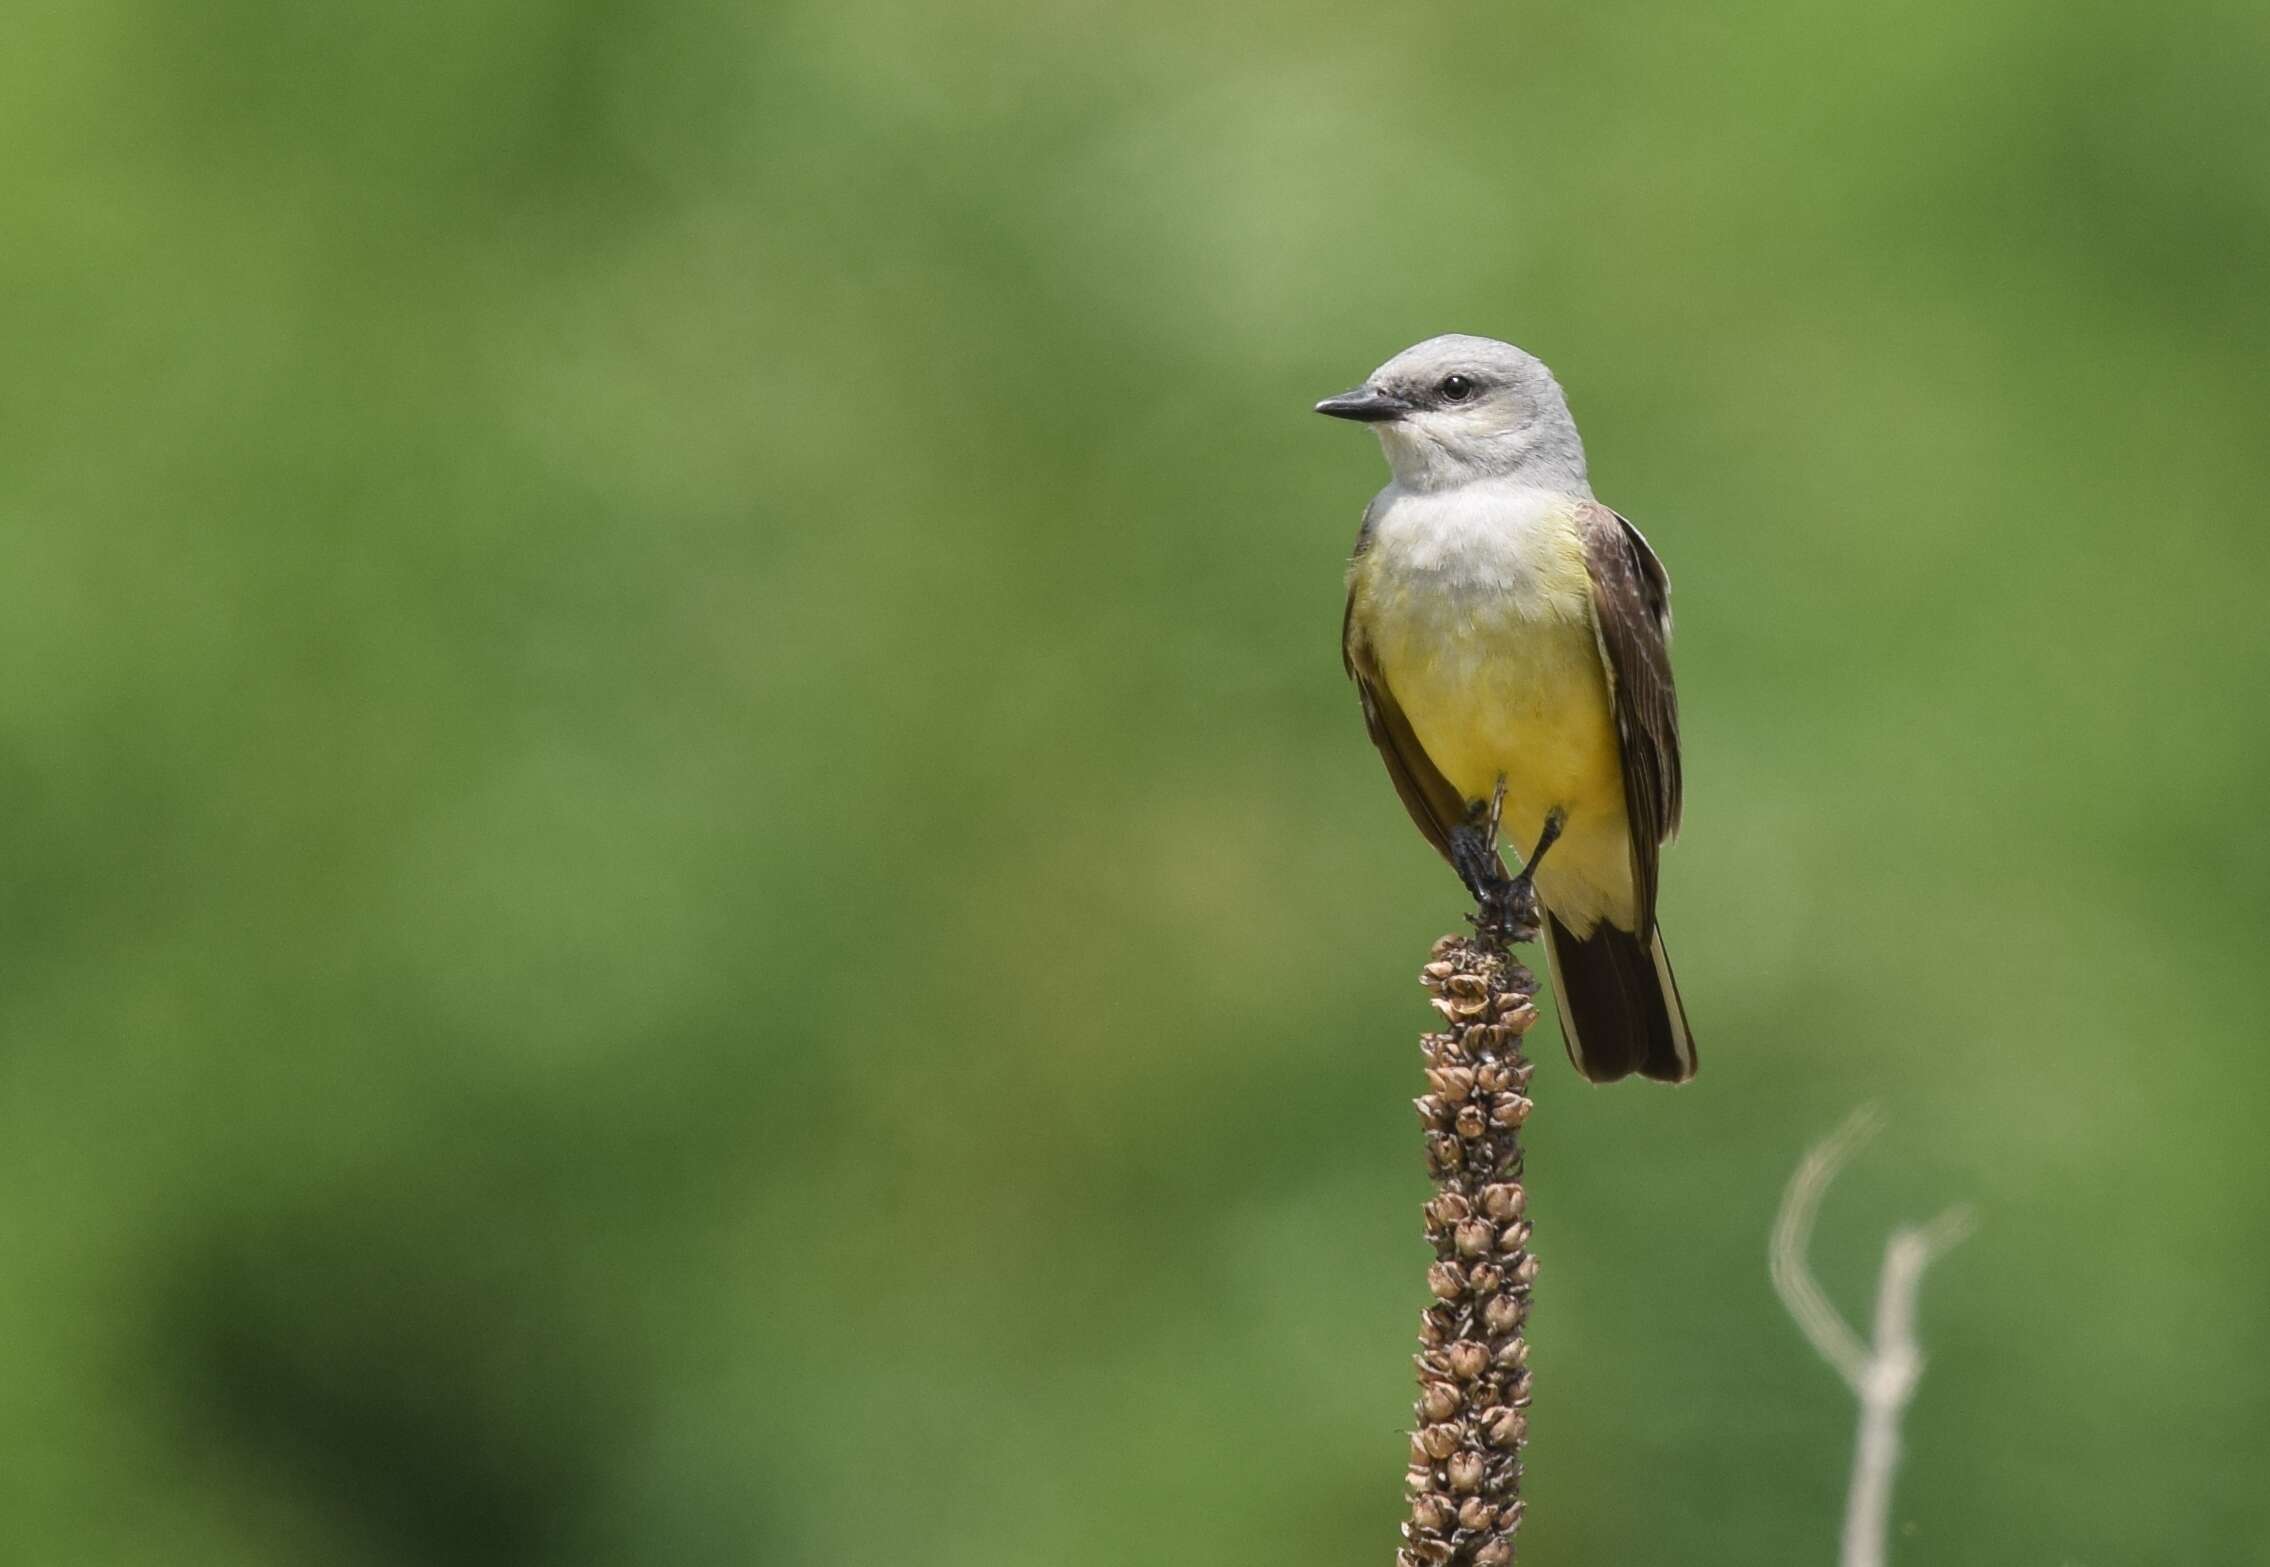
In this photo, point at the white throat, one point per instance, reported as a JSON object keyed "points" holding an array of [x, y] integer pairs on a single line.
{"points": [[1537, 456]]}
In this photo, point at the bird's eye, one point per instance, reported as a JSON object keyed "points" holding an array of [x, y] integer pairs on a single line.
{"points": [[1456, 388]]}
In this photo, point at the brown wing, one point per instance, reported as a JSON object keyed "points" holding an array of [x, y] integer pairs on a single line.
{"points": [[1631, 601], [1434, 805]]}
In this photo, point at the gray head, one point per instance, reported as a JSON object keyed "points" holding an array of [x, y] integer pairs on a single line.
{"points": [[1456, 408]]}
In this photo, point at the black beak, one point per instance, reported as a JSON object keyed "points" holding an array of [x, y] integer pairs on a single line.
{"points": [[1366, 404]]}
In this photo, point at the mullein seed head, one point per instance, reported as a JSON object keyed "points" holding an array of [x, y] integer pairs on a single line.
{"points": [[1464, 1479]]}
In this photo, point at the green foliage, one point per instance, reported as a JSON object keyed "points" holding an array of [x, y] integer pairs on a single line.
{"points": [[688, 878]]}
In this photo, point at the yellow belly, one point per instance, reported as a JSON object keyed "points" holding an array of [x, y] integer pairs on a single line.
{"points": [[1515, 689]]}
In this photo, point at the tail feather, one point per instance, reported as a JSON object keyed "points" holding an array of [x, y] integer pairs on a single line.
{"points": [[1620, 1008]]}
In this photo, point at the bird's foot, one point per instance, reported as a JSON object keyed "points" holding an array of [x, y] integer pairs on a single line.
{"points": [[1506, 910]]}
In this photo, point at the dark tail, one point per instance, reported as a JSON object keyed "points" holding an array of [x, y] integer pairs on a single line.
{"points": [[1620, 1010]]}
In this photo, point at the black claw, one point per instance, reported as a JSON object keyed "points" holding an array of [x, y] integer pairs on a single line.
{"points": [[1508, 910]]}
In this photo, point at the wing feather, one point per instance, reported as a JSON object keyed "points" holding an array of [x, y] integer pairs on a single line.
{"points": [[1631, 601]]}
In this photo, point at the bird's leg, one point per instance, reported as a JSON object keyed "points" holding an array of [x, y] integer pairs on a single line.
{"points": [[1501, 909], [1474, 853], [1521, 892]]}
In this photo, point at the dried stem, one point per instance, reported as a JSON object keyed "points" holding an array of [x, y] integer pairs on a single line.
{"points": [[1471, 1416], [1883, 1372]]}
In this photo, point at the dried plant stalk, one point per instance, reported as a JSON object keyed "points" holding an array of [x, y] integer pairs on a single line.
{"points": [[1471, 1417]]}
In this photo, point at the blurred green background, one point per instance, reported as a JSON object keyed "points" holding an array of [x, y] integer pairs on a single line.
{"points": [[686, 875]]}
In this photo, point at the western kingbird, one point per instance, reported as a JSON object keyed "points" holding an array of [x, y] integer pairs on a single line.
{"points": [[1509, 638]]}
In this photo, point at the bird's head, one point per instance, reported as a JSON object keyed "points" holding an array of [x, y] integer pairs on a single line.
{"points": [[1454, 409]]}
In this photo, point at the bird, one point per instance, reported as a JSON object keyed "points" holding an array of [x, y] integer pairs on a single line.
{"points": [[1509, 640]]}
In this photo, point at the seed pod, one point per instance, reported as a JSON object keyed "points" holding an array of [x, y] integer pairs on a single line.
{"points": [[1440, 1441], [1468, 1360], [1509, 1109], [1465, 1472], [1447, 1282], [1504, 1201], [1452, 1083], [1448, 1208], [1439, 1401]]}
